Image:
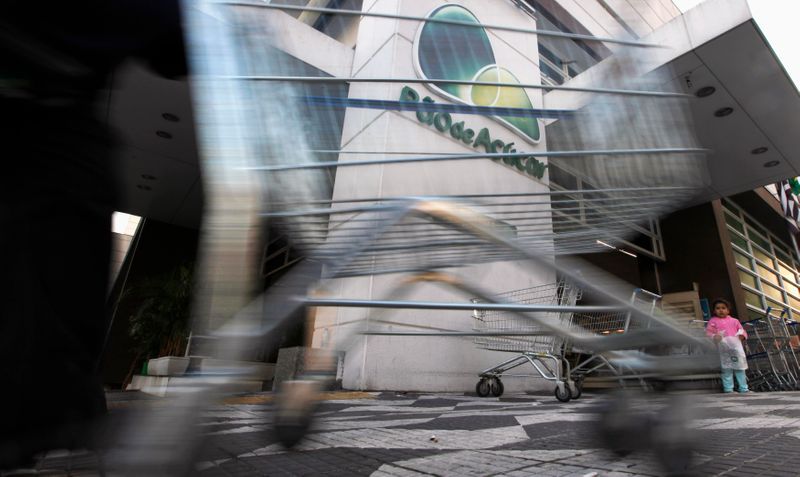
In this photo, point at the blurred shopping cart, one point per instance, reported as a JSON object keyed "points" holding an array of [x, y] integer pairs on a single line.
{"points": [[610, 323], [397, 207]]}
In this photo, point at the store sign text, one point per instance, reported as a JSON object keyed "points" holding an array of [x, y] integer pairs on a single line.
{"points": [[443, 123]]}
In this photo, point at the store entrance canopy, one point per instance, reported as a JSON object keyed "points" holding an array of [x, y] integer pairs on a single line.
{"points": [[745, 109]]}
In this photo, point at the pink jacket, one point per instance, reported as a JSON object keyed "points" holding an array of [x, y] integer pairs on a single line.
{"points": [[729, 325]]}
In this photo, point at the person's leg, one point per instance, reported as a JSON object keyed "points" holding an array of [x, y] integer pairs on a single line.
{"points": [[727, 380], [55, 233], [741, 380]]}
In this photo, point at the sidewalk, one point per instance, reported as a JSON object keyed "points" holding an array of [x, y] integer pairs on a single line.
{"points": [[390, 434]]}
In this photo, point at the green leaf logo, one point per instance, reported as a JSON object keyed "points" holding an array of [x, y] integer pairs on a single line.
{"points": [[464, 53]]}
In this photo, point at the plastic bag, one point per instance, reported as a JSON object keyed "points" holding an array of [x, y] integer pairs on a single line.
{"points": [[731, 353]]}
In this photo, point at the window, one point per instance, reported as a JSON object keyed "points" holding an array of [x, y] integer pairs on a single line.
{"points": [[739, 241], [743, 260], [735, 223], [748, 279], [774, 282], [561, 59]]}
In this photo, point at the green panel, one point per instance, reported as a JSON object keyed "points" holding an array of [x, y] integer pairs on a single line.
{"points": [[452, 51], [735, 223], [756, 226], [741, 242], [506, 97], [782, 255], [759, 240], [456, 52], [780, 246], [729, 205]]}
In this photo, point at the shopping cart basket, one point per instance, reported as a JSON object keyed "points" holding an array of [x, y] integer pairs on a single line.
{"points": [[605, 324]]}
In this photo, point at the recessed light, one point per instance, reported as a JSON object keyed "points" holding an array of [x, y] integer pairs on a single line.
{"points": [[721, 112], [771, 163], [170, 117], [164, 134], [705, 91], [143, 187], [759, 150], [148, 177]]}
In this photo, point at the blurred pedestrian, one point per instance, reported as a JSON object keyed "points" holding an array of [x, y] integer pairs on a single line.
{"points": [[56, 204]]}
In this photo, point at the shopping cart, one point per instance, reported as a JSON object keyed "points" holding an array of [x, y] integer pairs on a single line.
{"points": [[544, 351], [609, 323], [631, 143], [772, 362]]}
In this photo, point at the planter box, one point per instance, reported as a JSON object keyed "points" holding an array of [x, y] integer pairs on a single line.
{"points": [[166, 385], [167, 366], [253, 370]]}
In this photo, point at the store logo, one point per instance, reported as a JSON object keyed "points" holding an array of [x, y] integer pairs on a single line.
{"points": [[455, 52]]}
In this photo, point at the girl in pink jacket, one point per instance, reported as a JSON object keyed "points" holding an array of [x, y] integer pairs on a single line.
{"points": [[728, 334]]}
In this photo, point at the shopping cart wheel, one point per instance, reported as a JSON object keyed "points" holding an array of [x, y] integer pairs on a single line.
{"points": [[565, 395], [621, 428], [576, 389], [483, 388], [672, 442], [497, 387], [295, 402]]}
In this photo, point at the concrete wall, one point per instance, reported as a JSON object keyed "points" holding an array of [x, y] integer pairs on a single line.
{"points": [[385, 48]]}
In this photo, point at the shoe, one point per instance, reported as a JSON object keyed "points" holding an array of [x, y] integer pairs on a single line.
{"points": [[728, 392], [746, 391]]}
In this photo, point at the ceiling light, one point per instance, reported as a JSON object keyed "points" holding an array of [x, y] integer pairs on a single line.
{"points": [[705, 91], [143, 187], [722, 112], [148, 177], [771, 163], [164, 134], [170, 117], [600, 242], [759, 150]]}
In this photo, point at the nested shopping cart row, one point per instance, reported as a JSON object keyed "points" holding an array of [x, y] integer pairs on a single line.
{"points": [[546, 352], [772, 359]]}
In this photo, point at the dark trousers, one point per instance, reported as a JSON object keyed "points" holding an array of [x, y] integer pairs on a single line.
{"points": [[55, 233]]}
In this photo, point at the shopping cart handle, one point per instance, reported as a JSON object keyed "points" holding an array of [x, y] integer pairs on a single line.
{"points": [[647, 292]]}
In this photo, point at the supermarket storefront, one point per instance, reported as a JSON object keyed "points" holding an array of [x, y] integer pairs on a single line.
{"points": [[752, 263]]}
